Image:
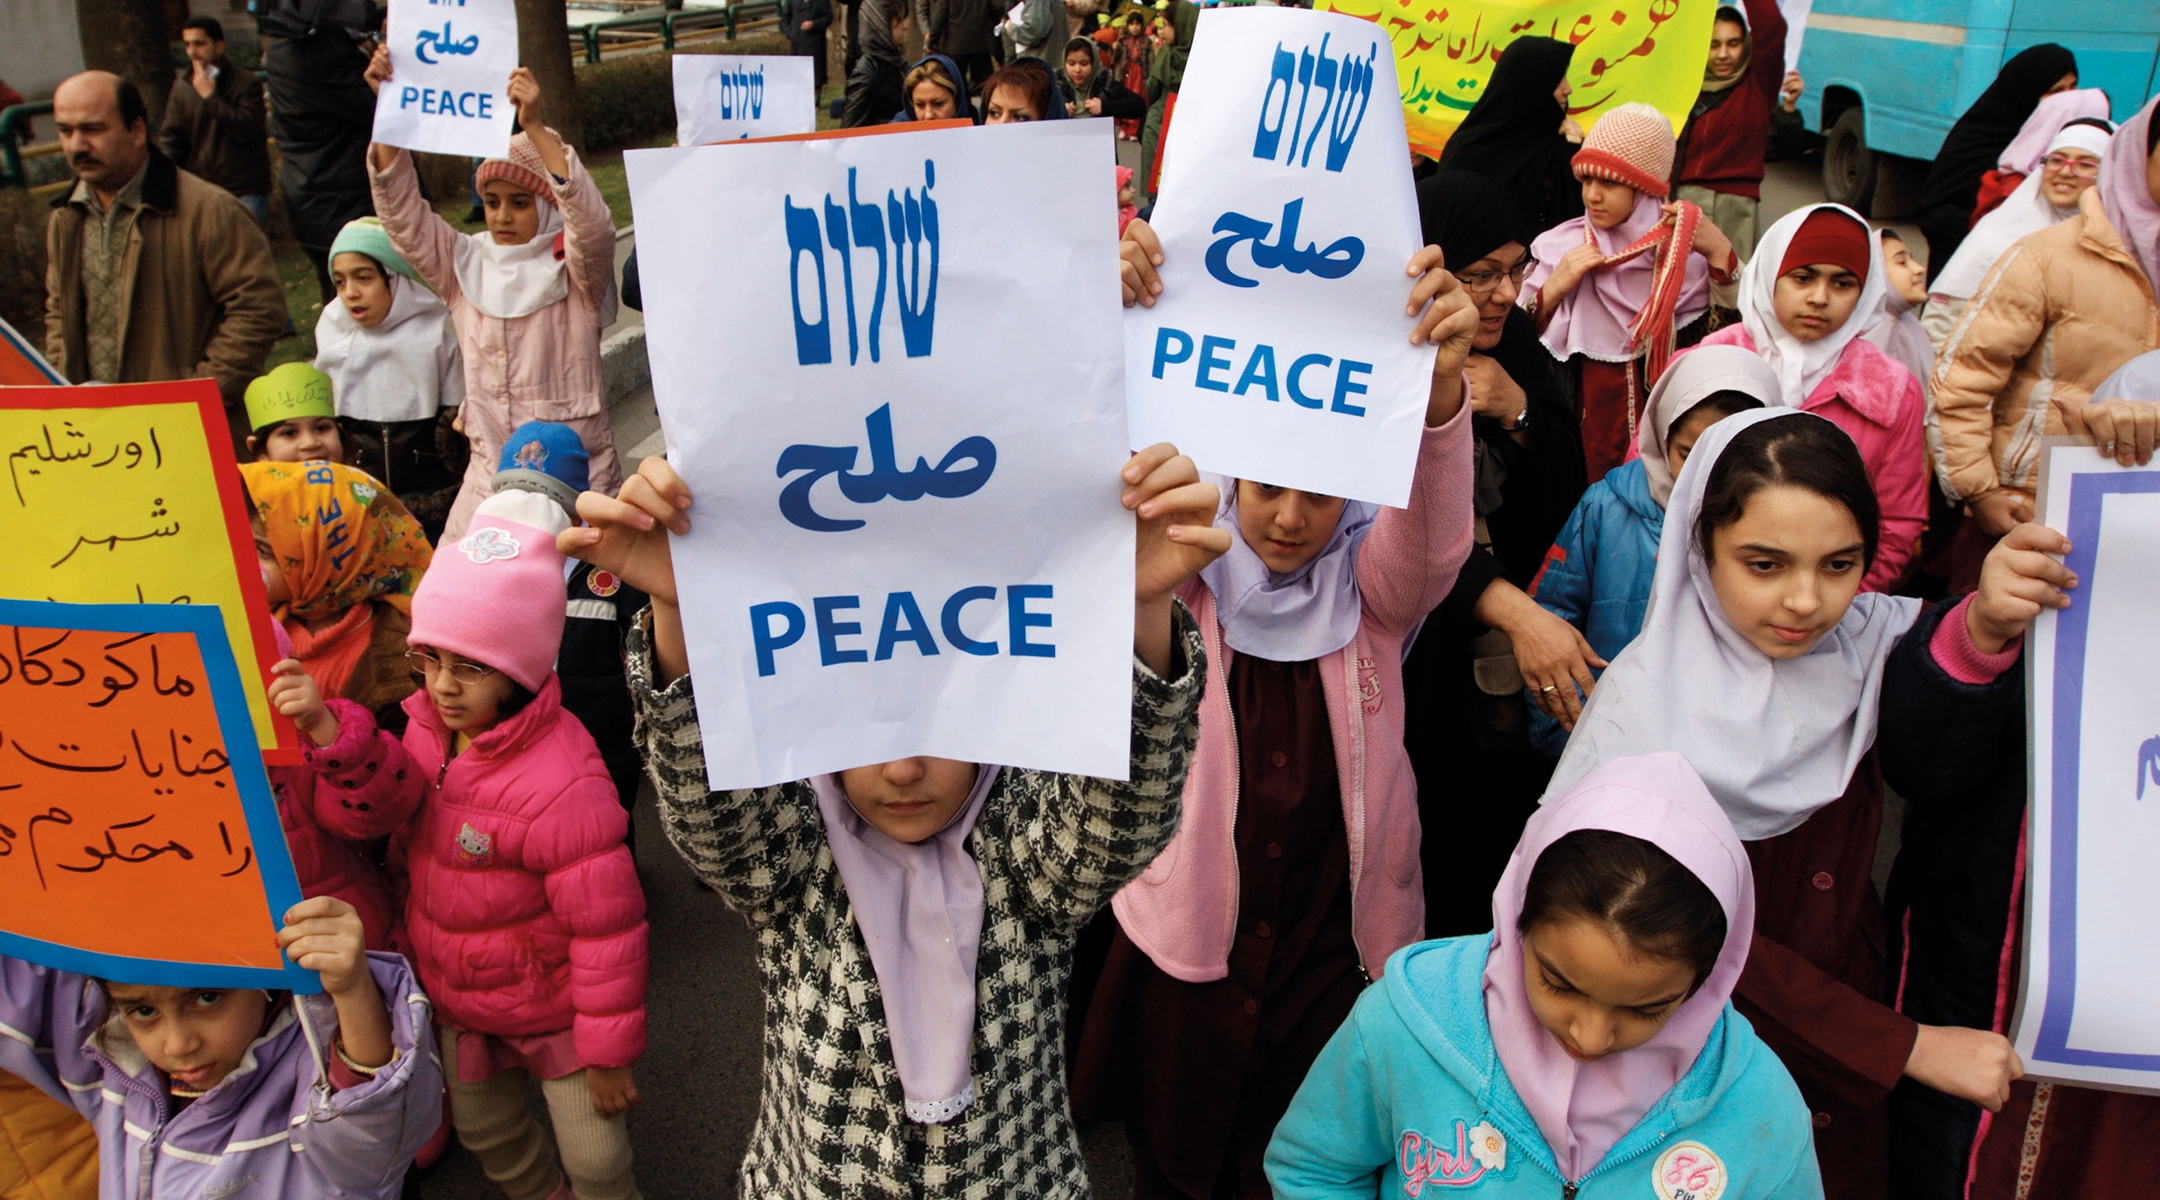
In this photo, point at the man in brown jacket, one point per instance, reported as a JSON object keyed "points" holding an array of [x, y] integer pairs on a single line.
{"points": [[152, 274], [214, 120]]}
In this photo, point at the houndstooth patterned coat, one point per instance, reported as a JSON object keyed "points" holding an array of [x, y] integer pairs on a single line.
{"points": [[1052, 849]]}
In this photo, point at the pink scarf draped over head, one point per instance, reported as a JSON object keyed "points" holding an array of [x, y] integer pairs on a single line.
{"points": [[920, 908], [2127, 197], [1651, 284], [1583, 1109]]}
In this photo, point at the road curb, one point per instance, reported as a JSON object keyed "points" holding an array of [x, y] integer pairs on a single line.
{"points": [[623, 367]]}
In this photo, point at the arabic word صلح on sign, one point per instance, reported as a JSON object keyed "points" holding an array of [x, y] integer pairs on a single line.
{"points": [[117, 799]]}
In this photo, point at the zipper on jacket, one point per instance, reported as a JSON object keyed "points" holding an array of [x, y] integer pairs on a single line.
{"points": [[1568, 1190], [1237, 775], [1356, 837]]}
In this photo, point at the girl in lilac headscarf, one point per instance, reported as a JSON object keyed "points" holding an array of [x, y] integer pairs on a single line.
{"points": [[1588, 1042]]}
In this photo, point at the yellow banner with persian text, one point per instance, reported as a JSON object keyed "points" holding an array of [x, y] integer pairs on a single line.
{"points": [[1652, 51]]}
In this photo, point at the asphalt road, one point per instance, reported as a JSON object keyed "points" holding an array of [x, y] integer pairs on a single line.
{"points": [[699, 1077]]}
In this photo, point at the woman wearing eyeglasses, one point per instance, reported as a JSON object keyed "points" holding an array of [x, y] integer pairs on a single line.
{"points": [[2059, 311], [1465, 724]]}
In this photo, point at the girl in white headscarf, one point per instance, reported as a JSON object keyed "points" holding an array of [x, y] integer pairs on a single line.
{"points": [[1763, 662], [1815, 286]]}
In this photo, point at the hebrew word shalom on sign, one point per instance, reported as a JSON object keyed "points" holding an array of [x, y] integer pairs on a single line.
{"points": [[2092, 964], [1279, 350], [128, 494], [450, 64], [903, 422], [724, 97], [1651, 51], [138, 837]]}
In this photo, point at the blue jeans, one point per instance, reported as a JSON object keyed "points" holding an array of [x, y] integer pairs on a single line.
{"points": [[257, 204]]}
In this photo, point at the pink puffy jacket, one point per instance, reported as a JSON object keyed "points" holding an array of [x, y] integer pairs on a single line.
{"points": [[525, 914], [350, 792]]}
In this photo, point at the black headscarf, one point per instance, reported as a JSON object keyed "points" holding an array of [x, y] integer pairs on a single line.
{"points": [[1976, 142], [1512, 135]]}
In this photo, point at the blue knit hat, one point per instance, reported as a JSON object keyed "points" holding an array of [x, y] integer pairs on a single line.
{"points": [[546, 457]]}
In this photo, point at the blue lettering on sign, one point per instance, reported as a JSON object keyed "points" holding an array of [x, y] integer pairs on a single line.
{"points": [[442, 43], [910, 222], [1341, 257], [742, 95], [1175, 346], [777, 625], [441, 102], [1345, 88], [2148, 765], [884, 478]]}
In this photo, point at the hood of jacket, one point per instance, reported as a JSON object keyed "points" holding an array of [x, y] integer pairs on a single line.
{"points": [[1631, 486]]}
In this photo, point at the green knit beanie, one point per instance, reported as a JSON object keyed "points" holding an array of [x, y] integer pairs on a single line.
{"points": [[367, 236]]}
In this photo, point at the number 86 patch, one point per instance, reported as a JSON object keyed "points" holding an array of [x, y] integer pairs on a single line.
{"points": [[1688, 1171]]}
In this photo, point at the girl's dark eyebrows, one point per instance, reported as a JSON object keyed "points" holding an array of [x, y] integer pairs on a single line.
{"points": [[1545, 964], [1760, 548]]}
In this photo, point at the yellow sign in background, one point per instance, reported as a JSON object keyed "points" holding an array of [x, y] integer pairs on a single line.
{"points": [[118, 495], [1652, 51]]}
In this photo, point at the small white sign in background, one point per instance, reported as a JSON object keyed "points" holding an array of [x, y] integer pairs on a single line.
{"points": [[723, 97], [450, 64]]}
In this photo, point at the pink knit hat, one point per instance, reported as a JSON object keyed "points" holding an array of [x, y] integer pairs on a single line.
{"points": [[1630, 144], [497, 597], [522, 168]]}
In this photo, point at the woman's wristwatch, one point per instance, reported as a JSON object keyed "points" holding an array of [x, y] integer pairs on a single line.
{"points": [[1522, 419]]}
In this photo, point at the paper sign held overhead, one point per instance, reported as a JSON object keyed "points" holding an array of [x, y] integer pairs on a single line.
{"points": [[138, 837], [1279, 350], [2091, 964], [128, 494], [904, 449], [1650, 51], [725, 97], [450, 64]]}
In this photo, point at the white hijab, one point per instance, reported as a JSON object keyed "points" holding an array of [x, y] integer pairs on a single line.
{"points": [[507, 282], [404, 369], [1694, 376], [1802, 366], [2025, 211], [1774, 740], [1296, 615]]}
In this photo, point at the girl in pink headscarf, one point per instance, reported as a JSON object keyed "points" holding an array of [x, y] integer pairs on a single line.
{"points": [[1585, 1047]]}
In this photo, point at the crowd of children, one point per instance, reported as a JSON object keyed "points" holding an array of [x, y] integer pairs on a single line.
{"points": [[1524, 837]]}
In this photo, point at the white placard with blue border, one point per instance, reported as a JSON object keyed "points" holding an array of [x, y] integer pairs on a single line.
{"points": [[450, 64], [890, 370], [1279, 350], [726, 97], [2092, 962]]}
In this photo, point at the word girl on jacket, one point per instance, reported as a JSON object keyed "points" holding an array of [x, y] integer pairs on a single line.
{"points": [[1587, 1046]]}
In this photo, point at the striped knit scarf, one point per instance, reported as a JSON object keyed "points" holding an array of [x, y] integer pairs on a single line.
{"points": [[1651, 336]]}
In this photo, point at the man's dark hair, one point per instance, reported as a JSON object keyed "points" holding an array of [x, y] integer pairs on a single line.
{"points": [[208, 25], [132, 108]]}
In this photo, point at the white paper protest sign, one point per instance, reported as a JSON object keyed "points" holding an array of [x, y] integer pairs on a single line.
{"points": [[1279, 350], [889, 369], [450, 64], [723, 97], [2092, 964]]}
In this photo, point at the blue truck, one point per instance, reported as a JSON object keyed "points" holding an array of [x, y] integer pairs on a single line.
{"points": [[1889, 77]]}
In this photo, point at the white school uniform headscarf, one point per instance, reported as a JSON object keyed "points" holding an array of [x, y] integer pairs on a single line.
{"points": [[404, 369], [1773, 739], [507, 282], [1802, 366], [1295, 615], [1693, 378], [2025, 211], [920, 909]]}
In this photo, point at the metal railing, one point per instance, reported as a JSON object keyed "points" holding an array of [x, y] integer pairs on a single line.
{"points": [[669, 22], [14, 127]]}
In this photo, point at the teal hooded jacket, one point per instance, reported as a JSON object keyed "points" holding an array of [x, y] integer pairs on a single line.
{"points": [[1409, 1100]]}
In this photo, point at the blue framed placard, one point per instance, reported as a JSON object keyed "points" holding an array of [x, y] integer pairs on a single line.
{"points": [[139, 838]]}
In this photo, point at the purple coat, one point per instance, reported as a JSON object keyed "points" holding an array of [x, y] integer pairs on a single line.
{"points": [[266, 1132]]}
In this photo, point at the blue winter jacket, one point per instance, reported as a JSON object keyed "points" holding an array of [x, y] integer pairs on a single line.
{"points": [[1409, 1099], [1597, 575]]}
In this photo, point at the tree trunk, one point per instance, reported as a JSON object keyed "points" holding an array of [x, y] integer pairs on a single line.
{"points": [[544, 49], [128, 38]]}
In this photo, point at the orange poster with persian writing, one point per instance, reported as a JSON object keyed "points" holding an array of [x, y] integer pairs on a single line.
{"points": [[139, 840]]}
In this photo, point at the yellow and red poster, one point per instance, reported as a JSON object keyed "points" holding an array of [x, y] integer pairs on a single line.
{"points": [[1652, 51]]}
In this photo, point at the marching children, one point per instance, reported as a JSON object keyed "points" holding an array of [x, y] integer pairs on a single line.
{"points": [[525, 914], [1296, 871], [1587, 1042], [1763, 661], [1612, 287], [1807, 299], [340, 560], [1597, 574], [893, 1065], [392, 354], [294, 416], [529, 295], [200, 1093]]}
